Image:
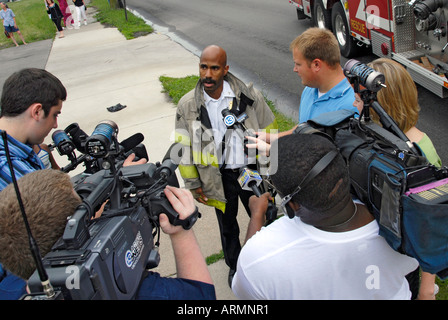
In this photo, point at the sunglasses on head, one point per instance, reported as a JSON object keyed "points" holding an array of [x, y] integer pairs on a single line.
{"points": [[318, 168]]}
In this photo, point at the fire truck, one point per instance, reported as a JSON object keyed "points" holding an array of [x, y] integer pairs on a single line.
{"points": [[412, 32]]}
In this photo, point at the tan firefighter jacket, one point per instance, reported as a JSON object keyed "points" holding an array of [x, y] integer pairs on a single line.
{"points": [[199, 166]]}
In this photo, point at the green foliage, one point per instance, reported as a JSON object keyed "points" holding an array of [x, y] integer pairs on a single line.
{"points": [[214, 258], [284, 123], [33, 22], [131, 28], [176, 88]]}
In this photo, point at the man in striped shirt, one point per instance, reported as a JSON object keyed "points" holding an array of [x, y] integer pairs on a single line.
{"points": [[30, 104]]}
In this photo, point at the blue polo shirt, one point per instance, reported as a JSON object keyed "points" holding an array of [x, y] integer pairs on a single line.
{"points": [[339, 97]]}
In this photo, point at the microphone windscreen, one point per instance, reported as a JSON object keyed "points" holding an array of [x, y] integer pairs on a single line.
{"points": [[132, 141]]}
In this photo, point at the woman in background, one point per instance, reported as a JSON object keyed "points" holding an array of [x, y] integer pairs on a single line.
{"points": [[400, 100], [9, 23], [67, 14], [55, 14]]}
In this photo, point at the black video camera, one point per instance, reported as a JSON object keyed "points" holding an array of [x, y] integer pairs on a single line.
{"points": [[107, 257], [407, 195]]}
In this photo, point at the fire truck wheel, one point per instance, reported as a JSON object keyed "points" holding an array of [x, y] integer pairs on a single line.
{"points": [[341, 30], [321, 16]]}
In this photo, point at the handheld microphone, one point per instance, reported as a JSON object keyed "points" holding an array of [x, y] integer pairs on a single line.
{"points": [[369, 78], [250, 180], [231, 120]]}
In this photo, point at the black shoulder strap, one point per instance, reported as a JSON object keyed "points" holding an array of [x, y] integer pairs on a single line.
{"points": [[204, 118], [244, 102]]}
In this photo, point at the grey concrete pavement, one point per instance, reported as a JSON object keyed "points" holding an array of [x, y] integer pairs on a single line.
{"points": [[100, 68], [32, 55]]}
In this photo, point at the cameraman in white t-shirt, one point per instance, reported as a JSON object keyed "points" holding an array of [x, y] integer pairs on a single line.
{"points": [[330, 248]]}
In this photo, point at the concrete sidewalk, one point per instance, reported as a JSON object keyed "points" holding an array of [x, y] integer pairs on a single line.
{"points": [[100, 68]]}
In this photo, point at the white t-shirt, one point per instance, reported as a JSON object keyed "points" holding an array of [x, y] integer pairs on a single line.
{"points": [[292, 260]]}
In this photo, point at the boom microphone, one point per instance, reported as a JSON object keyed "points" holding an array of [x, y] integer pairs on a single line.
{"points": [[133, 145], [131, 142]]}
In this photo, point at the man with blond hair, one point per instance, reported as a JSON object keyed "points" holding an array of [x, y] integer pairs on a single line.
{"points": [[317, 61]]}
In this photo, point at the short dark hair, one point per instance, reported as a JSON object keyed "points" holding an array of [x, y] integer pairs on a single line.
{"points": [[48, 198], [297, 155], [28, 86]]}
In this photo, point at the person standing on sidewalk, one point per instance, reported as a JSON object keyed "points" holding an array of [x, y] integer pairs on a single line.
{"points": [[56, 15], [67, 14], [9, 23], [212, 170], [80, 8]]}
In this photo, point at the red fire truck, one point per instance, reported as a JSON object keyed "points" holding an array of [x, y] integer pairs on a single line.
{"points": [[412, 32]]}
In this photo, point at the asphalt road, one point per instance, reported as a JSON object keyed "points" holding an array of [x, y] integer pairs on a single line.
{"points": [[256, 35]]}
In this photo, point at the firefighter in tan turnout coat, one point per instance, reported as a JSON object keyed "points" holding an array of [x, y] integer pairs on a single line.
{"points": [[214, 153]]}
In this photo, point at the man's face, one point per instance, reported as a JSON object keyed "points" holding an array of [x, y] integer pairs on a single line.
{"points": [[303, 68], [45, 124], [212, 70]]}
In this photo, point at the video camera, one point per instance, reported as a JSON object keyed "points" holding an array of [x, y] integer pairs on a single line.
{"points": [[407, 195], [107, 257]]}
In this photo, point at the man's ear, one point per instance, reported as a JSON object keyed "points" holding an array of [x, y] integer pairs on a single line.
{"points": [[36, 111], [294, 206], [291, 209], [316, 64]]}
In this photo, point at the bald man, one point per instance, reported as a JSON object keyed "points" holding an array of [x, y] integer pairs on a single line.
{"points": [[211, 168]]}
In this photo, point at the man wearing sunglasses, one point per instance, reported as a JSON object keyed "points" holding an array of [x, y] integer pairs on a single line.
{"points": [[326, 246]]}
